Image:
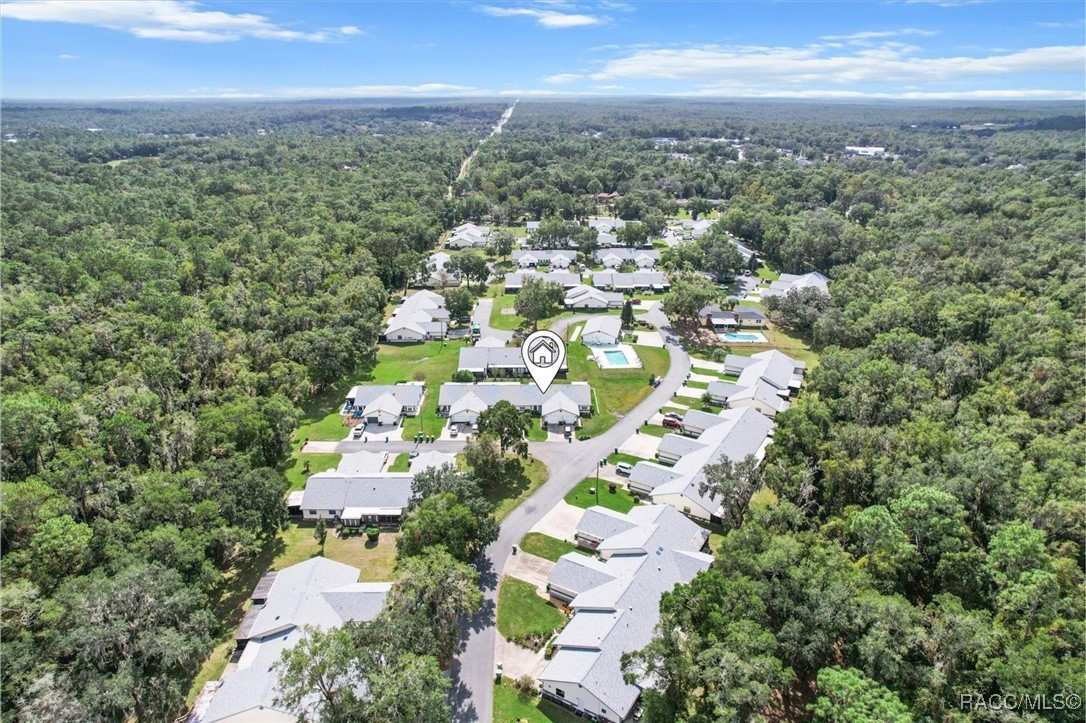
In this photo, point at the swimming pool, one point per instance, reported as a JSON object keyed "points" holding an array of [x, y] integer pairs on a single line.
{"points": [[743, 338], [620, 356], [616, 357]]}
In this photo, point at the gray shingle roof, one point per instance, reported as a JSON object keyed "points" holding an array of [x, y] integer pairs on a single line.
{"points": [[600, 522], [519, 395], [565, 278], [609, 325], [409, 395], [334, 491], [480, 358], [678, 445], [640, 279]]}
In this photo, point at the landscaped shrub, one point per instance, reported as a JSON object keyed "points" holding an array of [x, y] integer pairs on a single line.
{"points": [[372, 533]]}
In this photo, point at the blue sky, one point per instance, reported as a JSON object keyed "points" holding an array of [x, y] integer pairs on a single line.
{"points": [[913, 49]]}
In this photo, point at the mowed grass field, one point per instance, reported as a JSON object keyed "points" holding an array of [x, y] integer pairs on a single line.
{"points": [[616, 391]]}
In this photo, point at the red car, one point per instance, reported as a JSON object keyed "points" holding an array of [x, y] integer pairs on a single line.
{"points": [[673, 423]]}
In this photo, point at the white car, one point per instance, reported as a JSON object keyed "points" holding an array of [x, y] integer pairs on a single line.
{"points": [[624, 468]]}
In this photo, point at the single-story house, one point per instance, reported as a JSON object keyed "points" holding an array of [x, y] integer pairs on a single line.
{"points": [[606, 225], [525, 397], [493, 361], [420, 317], [744, 432], [615, 599], [468, 235], [698, 228], [780, 370], [726, 320], [385, 404], [587, 297], [360, 463], [674, 447], [515, 282], [532, 226], [357, 500], [637, 281], [319, 593], [762, 396], [560, 411], [437, 272], [613, 258], [788, 282], [466, 409], [607, 240], [602, 331], [530, 258]]}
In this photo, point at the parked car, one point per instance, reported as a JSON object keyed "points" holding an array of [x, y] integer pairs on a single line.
{"points": [[672, 423], [635, 302], [454, 430], [357, 433], [624, 468], [673, 415], [639, 712]]}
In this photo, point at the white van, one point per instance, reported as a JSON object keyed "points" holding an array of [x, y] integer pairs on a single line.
{"points": [[624, 468]]}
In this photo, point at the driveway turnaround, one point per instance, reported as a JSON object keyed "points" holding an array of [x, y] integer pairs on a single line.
{"points": [[560, 522]]}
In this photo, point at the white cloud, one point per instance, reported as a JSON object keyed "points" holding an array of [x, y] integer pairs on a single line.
{"points": [[549, 19], [877, 34], [562, 78], [381, 91], [802, 66], [68, 56], [165, 20]]}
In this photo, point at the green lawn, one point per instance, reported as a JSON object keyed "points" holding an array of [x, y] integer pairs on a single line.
{"points": [[318, 462], [616, 391], [551, 548], [523, 614], [620, 457], [498, 320], [402, 463], [327, 428], [656, 430], [433, 362], [764, 272], [506, 498], [697, 385], [620, 500], [536, 432], [675, 410], [511, 706]]}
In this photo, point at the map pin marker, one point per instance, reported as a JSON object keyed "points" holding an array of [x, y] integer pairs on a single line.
{"points": [[543, 353]]}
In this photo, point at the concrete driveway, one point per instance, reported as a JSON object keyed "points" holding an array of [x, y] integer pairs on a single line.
{"points": [[517, 661], [641, 445], [649, 338], [685, 391], [560, 522], [481, 316], [530, 569]]}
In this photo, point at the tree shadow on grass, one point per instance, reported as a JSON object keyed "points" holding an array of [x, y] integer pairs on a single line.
{"points": [[236, 587]]}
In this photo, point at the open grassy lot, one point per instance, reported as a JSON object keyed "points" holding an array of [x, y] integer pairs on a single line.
{"points": [[433, 362], [498, 320], [318, 462], [764, 272], [656, 430], [616, 391], [620, 500], [551, 548], [375, 561], [698, 385], [522, 613], [532, 475], [536, 433], [402, 463], [511, 706]]}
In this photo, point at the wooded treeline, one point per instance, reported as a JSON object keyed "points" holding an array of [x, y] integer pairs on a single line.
{"points": [[163, 319]]}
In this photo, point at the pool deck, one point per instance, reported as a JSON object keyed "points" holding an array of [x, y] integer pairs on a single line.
{"points": [[759, 337]]}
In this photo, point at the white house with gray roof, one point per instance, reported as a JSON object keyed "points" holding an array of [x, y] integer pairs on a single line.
{"points": [[514, 282], [789, 282], [530, 258], [587, 297], [494, 361], [743, 432], [318, 593], [386, 404], [420, 317], [761, 396], [525, 397], [612, 258], [637, 281], [468, 235], [772, 367], [615, 599], [357, 499], [602, 331]]}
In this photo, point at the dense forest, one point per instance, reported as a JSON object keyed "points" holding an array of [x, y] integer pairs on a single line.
{"points": [[176, 283], [168, 303]]}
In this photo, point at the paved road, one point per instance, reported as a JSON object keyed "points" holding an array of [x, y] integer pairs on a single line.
{"points": [[473, 674], [481, 316]]}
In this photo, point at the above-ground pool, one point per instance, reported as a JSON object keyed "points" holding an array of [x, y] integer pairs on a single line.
{"points": [[738, 337], [622, 356]]}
